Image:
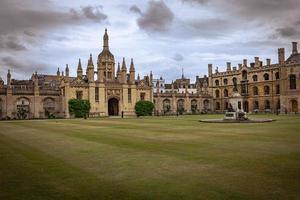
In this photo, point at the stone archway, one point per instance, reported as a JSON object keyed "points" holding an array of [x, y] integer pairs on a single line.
{"points": [[113, 107], [294, 106]]}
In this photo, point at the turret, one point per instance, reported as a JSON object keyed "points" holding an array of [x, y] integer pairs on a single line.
{"points": [[132, 72], [256, 61], [90, 69], [8, 77], [228, 66], [281, 56], [123, 72], [268, 62], [67, 70], [245, 62], [58, 73], [79, 70], [210, 69], [295, 48], [151, 78]]}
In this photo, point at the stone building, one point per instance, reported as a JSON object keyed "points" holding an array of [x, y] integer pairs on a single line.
{"points": [[264, 87], [112, 92]]}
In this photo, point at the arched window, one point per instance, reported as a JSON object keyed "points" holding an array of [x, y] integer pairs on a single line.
{"points": [[225, 93], [217, 93], [226, 105], [217, 82], [266, 77], [166, 105], [234, 81], [293, 82], [217, 105], [255, 91], [254, 77], [225, 81], [277, 89], [277, 76], [267, 90], [267, 104]]}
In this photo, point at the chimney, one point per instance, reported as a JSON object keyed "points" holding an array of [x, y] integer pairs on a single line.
{"points": [[281, 56], [268, 62], [256, 60], [240, 66], [234, 68], [210, 66], [228, 66], [245, 62], [295, 48]]}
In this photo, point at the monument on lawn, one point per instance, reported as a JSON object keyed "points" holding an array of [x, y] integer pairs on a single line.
{"points": [[235, 111]]}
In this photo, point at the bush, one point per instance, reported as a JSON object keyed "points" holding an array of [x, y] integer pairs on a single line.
{"points": [[80, 108], [144, 108]]}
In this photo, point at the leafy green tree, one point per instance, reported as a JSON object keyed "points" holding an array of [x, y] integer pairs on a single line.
{"points": [[80, 108], [144, 108]]}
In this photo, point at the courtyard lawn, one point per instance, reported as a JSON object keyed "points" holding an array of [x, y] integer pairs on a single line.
{"points": [[150, 158]]}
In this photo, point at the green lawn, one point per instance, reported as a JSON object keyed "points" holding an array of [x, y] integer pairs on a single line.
{"points": [[150, 158]]}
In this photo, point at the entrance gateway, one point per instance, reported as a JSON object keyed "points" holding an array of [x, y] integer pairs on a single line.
{"points": [[113, 107]]}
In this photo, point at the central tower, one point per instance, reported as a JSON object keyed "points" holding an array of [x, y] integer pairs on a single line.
{"points": [[106, 62]]}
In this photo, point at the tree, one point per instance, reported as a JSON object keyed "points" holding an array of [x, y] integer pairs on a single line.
{"points": [[144, 108], [80, 108]]}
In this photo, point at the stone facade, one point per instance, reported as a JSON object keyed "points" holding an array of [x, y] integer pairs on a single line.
{"points": [[273, 88], [113, 92], [264, 88]]}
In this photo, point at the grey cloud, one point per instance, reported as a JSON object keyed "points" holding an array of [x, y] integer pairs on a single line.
{"points": [[157, 18], [178, 57], [135, 9], [22, 67], [13, 45]]}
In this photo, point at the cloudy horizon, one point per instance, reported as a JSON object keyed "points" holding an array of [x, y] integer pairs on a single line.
{"points": [[162, 36]]}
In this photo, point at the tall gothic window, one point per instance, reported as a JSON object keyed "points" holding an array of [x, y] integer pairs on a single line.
{"points": [[277, 89], [129, 95], [96, 94], [225, 93], [293, 82], [277, 76], [255, 91], [142, 96]]}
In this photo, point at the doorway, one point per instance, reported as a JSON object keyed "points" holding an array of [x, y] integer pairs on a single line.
{"points": [[113, 107]]}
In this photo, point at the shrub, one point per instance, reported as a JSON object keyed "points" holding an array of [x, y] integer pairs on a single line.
{"points": [[80, 108], [144, 108]]}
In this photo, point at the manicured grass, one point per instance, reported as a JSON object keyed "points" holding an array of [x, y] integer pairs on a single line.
{"points": [[150, 158]]}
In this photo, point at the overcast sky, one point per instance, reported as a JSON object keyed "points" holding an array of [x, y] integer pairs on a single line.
{"points": [[160, 35]]}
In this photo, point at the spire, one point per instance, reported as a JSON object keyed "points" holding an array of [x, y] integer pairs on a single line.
{"points": [[131, 66], [105, 40], [138, 78], [90, 61], [79, 69], [8, 77], [124, 65], [182, 76], [58, 72]]}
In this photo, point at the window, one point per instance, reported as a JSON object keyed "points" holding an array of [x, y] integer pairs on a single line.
{"points": [[277, 76], [277, 89], [97, 94], [217, 93], [267, 90], [234, 80], [254, 77], [142, 96], [129, 95], [255, 91], [293, 83], [225, 81], [266, 77], [217, 82], [78, 94], [226, 105], [225, 93]]}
